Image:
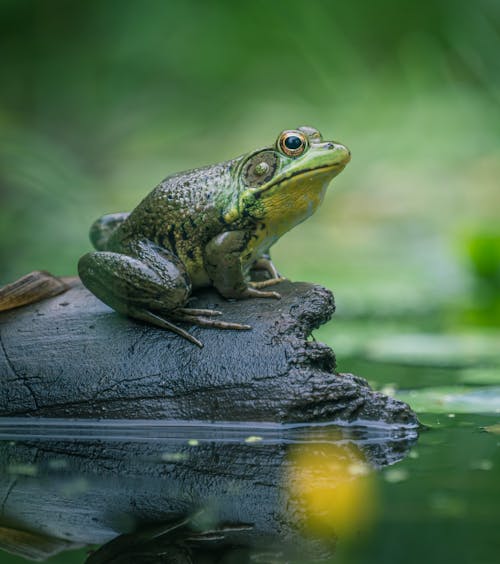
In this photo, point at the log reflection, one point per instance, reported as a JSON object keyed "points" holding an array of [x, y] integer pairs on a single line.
{"points": [[187, 493]]}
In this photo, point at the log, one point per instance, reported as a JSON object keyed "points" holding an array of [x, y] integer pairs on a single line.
{"points": [[71, 356]]}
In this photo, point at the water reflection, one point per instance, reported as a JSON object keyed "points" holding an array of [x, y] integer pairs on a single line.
{"points": [[188, 493]]}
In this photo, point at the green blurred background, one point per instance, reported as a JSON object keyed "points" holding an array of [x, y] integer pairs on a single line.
{"points": [[101, 100]]}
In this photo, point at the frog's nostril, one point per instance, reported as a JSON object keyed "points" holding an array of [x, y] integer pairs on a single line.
{"points": [[329, 146]]}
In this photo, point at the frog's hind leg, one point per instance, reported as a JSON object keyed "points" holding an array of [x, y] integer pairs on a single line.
{"points": [[148, 286]]}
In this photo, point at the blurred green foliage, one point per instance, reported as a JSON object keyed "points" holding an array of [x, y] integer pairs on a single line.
{"points": [[484, 254], [101, 100], [482, 258]]}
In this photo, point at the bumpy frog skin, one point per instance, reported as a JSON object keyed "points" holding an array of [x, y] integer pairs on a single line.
{"points": [[209, 226]]}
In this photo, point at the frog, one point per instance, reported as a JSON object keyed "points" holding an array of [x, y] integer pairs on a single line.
{"points": [[209, 226]]}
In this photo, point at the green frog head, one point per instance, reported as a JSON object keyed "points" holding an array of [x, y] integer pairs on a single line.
{"points": [[285, 183]]}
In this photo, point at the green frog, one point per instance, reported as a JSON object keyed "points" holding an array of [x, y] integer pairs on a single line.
{"points": [[210, 226]]}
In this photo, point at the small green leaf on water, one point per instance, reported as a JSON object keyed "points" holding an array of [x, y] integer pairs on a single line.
{"points": [[482, 376], [358, 469], [495, 429], [193, 442], [389, 390], [453, 399], [22, 469], [395, 475], [431, 349], [253, 439], [173, 456], [58, 464], [75, 487], [447, 506], [483, 464]]}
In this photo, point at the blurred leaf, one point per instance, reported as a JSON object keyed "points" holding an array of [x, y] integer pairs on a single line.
{"points": [[453, 399], [495, 429]]}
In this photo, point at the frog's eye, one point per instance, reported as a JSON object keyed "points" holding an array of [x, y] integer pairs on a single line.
{"points": [[260, 168], [292, 143]]}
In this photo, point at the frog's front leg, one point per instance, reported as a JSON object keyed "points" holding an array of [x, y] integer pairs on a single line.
{"points": [[264, 263], [224, 262]]}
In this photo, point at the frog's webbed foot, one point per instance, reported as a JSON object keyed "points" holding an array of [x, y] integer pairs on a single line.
{"points": [[204, 318], [224, 266]]}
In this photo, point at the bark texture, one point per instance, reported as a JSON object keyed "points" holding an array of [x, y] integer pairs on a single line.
{"points": [[71, 356]]}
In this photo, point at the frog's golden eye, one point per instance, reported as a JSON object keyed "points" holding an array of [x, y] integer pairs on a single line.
{"points": [[292, 143]]}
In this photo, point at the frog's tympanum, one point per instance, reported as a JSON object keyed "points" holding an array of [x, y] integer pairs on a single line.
{"points": [[209, 226]]}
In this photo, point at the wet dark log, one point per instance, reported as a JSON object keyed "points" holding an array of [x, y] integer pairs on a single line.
{"points": [[72, 356]]}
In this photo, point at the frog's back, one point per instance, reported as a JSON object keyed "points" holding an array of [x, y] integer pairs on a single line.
{"points": [[182, 213], [186, 203]]}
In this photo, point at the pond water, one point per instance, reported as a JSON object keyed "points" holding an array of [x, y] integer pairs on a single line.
{"points": [[246, 493]]}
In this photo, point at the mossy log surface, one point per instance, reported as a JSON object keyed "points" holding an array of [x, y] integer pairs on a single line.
{"points": [[71, 356]]}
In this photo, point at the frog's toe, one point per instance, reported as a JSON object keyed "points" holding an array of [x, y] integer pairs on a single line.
{"points": [[202, 312], [203, 321], [265, 283], [159, 321], [251, 292], [219, 324]]}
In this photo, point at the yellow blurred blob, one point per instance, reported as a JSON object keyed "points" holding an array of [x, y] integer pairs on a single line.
{"points": [[331, 489]]}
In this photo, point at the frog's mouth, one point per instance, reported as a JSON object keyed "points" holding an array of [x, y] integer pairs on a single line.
{"points": [[330, 170]]}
